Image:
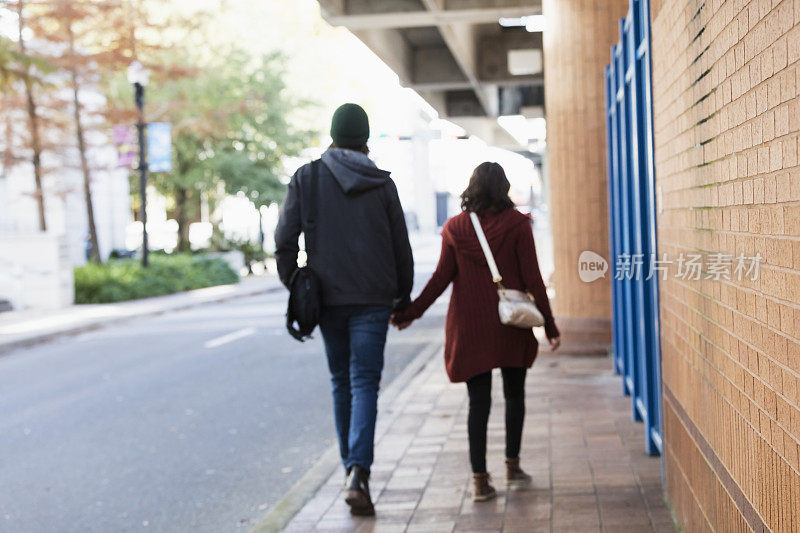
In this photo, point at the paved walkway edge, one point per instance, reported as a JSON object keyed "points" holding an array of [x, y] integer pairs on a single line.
{"points": [[282, 512], [83, 328]]}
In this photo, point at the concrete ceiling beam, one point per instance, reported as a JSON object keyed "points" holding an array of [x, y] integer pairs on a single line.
{"points": [[436, 65], [416, 19], [460, 39], [393, 50], [489, 131], [331, 8], [441, 86], [465, 68]]}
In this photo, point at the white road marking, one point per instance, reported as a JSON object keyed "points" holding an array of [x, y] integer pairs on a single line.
{"points": [[230, 337]]}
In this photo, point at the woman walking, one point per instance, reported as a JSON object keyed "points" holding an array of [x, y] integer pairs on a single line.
{"points": [[476, 340]]}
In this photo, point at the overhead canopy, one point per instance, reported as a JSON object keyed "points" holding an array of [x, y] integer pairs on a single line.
{"points": [[456, 55]]}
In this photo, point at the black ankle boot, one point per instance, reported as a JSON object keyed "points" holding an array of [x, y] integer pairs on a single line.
{"points": [[357, 492]]}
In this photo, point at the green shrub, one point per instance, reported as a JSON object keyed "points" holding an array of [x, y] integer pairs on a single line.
{"points": [[125, 279]]}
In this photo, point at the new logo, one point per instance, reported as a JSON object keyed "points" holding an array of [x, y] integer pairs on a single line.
{"points": [[591, 266]]}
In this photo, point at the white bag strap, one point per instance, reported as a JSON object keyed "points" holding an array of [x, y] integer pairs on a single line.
{"points": [[476, 222]]}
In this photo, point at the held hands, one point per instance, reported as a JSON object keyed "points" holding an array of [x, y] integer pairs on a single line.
{"points": [[399, 323]]}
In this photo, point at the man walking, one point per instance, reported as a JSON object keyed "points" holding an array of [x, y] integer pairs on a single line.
{"points": [[362, 258]]}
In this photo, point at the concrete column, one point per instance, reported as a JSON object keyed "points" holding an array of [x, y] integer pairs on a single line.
{"points": [[424, 192], [577, 40]]}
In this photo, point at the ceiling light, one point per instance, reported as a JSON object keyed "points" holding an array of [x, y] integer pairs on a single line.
{"points": [[525, 62], [510, 22], [535, 23], [532, 23]]}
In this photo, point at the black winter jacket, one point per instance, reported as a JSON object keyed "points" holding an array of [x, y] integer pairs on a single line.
{"points": [[361, 251]]}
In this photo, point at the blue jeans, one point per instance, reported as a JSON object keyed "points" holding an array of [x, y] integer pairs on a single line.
{"points": [[355, 336]]}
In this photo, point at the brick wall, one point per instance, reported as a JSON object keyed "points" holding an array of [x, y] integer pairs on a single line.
{"points": [[577, 43], [727, 124]]}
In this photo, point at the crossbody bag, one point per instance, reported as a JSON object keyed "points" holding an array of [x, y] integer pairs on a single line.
{"points": [[516, 308]]}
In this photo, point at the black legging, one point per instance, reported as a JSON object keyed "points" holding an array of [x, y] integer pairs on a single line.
{"points": [[480, 401]]}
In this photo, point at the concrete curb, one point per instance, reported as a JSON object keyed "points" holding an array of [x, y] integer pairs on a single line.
{"points": [[101, 323], [284, 510]]}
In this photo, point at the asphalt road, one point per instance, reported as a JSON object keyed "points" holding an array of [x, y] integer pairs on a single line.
{"points": [[193, 421]]}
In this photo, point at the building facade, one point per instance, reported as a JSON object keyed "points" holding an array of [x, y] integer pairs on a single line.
{"points": [[36, 267], [726, 110]]}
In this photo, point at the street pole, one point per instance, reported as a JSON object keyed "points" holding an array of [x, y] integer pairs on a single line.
{"points": [[261, 229], [140, 126]]}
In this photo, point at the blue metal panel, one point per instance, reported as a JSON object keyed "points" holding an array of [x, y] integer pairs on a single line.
{"points": [[653, 361], [635, 156], [632, 222], [613, 219], [626, 240], [638, 318]]}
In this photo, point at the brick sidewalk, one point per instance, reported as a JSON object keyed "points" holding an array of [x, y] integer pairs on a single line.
{"points": [[585, 454]]}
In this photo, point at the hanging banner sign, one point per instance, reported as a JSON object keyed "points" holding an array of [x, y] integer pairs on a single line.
{"points": [[124, 138], [159, 147]]}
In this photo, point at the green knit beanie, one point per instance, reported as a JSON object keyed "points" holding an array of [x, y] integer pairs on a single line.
{"points": [[350, 126]]}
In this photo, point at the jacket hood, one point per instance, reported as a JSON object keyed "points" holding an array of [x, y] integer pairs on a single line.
{"points": [[497, 227], [353, 170]]}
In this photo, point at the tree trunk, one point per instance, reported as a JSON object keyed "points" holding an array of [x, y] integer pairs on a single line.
{"points": [[33, 121], [181, 196], [94, 254]]}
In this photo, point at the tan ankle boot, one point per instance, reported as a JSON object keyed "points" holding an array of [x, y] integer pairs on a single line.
{"points": [[482, 488], [515, 476]]}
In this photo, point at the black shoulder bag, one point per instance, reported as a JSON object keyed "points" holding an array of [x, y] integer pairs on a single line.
{"points": [[305, 290]]}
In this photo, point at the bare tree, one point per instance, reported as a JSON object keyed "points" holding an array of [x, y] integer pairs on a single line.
{"points": [[33, 119]]}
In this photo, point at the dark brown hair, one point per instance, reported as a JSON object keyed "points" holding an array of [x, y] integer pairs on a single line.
{"points": [[364, 149], [487, 190]]}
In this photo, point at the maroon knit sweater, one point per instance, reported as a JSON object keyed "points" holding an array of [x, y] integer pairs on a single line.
{"points": [[475, 340]]}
